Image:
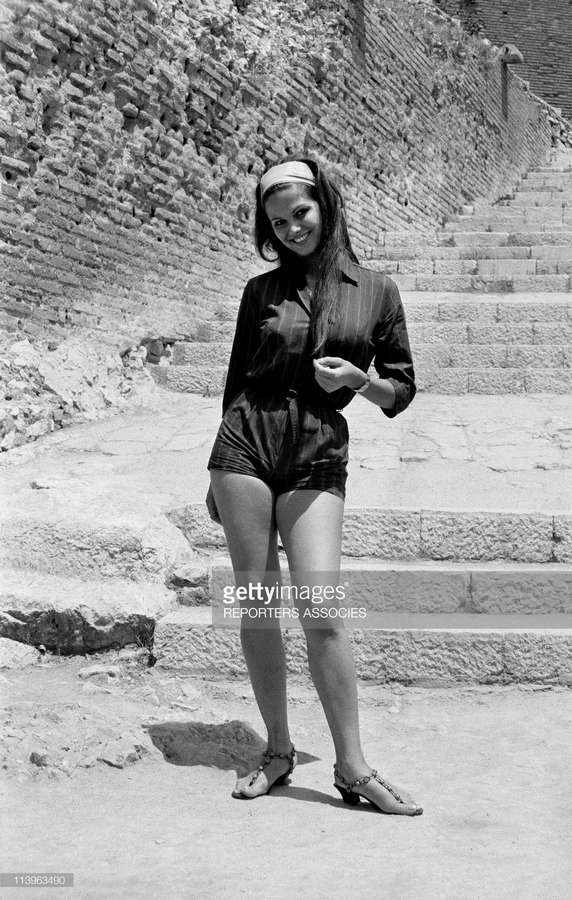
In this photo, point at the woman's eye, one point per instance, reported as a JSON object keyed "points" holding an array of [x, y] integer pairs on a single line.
{"points": [[301, 212]]}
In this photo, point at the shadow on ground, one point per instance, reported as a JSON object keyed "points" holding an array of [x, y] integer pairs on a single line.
{"points": [[232, 745]]}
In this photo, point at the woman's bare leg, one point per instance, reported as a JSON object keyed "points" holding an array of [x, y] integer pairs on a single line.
{"points": [[310, 525], [246, 508]]}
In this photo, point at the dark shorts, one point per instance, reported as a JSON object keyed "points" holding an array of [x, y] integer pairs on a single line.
{"points": [[285, 441]]}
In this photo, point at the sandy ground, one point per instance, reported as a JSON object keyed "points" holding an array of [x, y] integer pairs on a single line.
{"points": [[122, 775]]}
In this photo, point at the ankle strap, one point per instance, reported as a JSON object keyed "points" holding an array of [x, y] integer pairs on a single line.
{"points": [[269, 754], [349, 785]]}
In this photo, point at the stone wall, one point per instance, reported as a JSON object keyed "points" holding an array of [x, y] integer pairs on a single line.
{"points": [[541, 31], [132, 133]]}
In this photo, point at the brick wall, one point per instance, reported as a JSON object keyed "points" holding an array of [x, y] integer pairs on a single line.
{"points": [[132, 133], [541, 31]]}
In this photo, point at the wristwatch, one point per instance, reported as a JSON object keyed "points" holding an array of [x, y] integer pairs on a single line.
{"points": [[364, 386]]}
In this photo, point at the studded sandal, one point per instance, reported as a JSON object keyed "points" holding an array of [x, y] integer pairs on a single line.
{"points": [[352, 797], [267, 757]]}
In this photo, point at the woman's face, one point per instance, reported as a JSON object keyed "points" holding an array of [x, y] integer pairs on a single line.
{"points": [[295, 218]]}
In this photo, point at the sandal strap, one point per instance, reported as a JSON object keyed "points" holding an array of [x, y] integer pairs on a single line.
{"points": [[373, 776], [268, 756]]}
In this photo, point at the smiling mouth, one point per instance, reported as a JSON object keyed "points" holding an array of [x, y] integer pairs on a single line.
{"points": [[300, 240]]}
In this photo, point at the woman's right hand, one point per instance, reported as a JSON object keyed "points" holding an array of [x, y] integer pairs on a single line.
{"points": [[211, 506]]}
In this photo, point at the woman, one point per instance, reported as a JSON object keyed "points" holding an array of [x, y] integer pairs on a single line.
{"points": [[306, 334]]}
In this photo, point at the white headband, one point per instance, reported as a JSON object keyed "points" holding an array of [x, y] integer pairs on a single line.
{"points": [[287, 173]]}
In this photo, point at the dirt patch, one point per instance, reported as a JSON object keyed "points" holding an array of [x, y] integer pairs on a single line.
{"points": [[122, 774]]}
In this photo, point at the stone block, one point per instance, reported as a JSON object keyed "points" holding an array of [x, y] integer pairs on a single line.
{"points": [[415, 266], [557, 252], [77, 616], [500, 333], [549, 381], [455, 266], [497, 381], [194, 522], [546, 311], [441, 381], [97, 544], [486, 536], [477, 310], [200, 353], [16, 655], [547, 267], [548, 333], [526, 589], [506, 268], [563, 538], [481, 238], [383, 534], [421, 311], [538, 356], [207, 380], [542, 283], [443, 283], [437, 332]]}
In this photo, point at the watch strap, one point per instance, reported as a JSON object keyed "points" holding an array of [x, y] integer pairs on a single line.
{"points": [[364, 386]]}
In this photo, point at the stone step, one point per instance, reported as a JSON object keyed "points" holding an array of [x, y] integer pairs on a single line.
{"points": [[538, 200], [489, 307], [531, 197], [457, 380], [494, 269], [430, 379], [448, 345], [404, 588], [484, 283], [415, 653], [519, 237], [421, 253], [75, 615], [454, 319], [422, 534], [70, 543], [461, 333], [555, 183], [527, 221], [510, 356]]}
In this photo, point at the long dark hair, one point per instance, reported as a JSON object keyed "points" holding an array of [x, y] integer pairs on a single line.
{"points": [[335, 240]]}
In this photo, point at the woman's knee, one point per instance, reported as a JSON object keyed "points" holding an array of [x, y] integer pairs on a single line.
{"points": [[320, 633]]}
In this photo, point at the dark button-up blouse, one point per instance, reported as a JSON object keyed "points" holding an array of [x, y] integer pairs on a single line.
{"points": [[271, 349]]}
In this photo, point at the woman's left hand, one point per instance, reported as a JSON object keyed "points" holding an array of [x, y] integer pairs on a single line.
{"points": [[333, 373]]}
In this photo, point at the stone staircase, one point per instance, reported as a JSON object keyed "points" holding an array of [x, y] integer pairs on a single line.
{"points": [[487, 298], [465, 566]]}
